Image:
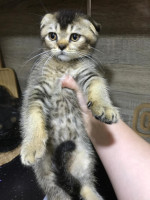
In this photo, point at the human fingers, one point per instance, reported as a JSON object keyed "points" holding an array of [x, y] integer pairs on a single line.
{"points": [[69, 82]]}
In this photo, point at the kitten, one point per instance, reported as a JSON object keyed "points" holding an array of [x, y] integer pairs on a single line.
{"points": [[55, 141]]}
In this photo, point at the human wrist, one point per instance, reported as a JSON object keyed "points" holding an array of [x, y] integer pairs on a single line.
{"points": [[100, 133]]}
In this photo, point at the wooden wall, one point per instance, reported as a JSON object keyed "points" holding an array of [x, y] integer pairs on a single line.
{"points": [[21, 17]]}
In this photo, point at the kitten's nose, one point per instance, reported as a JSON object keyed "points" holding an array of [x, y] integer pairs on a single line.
{"points": [[62, 46]]}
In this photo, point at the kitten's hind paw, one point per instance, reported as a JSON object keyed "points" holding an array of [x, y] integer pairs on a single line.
{"points": [[31, 153]]}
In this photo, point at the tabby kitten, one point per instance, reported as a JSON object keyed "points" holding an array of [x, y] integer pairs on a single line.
{"points": [[55, 141]]}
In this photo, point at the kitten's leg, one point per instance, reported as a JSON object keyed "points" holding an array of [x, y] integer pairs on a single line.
{"points": [[100, 103], [35, 136], [33, 122], [53, 192], [57, 195], [82, 168], [47, 179], [88, 193]]}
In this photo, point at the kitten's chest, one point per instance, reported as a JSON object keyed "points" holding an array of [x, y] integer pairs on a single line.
{"points": [[56, 70]]}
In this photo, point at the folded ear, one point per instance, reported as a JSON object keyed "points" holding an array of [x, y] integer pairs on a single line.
{"points": [[46, 19], [97, 26]]}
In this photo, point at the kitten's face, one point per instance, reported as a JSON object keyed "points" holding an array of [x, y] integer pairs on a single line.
{"points": [[68, 35]]}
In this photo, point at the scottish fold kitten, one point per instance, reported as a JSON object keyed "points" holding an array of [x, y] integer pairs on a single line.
{"points": [[55, 141]]}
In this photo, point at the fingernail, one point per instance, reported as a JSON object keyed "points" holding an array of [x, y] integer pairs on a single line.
{"points": [[65, 77]]}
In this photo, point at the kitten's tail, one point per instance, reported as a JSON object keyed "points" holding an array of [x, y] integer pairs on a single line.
{"points": [[64, 179]]}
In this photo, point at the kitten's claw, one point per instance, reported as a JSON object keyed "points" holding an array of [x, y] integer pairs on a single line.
{"points": [[108, 115], [30, 153], [100, 117], [89, 104], [106, 120]]}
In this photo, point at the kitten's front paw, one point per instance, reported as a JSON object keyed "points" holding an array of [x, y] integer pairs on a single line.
{"points": [[30, 153], [108, 115]]}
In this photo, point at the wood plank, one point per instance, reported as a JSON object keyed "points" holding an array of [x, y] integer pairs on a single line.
{"points": [[128, 104], [132, 50], [8, 80], [117, 17], [129, 78]]}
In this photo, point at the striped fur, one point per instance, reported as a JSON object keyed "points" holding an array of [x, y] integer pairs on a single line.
{"points": [[51, 114]]}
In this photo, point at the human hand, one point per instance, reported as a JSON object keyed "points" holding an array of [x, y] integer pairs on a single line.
{"points": [[69, 82], [96, 130]]}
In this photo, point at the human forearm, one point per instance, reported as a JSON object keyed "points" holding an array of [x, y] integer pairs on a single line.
{"points": [[126, 159]]}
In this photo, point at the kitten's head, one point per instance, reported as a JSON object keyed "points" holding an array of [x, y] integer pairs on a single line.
{"points": [[69, 35]]}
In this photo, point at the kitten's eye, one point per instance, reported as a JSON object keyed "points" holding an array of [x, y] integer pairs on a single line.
{"points": [[74, 37], [52, 36]]}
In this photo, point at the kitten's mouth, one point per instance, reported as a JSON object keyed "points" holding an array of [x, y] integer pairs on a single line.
{"points": [[62, 56], [62, 53]]}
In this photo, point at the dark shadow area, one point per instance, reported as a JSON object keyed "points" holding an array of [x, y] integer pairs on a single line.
{"points": [[103, 184], [18, 182]]}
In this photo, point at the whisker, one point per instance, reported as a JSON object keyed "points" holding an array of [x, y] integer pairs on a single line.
{"points": [[97, 62], [48, 59], [37, 56], [82, 55], [90, 57], [45, 52], [46, 63], [96, 49], [26, 62], [39, 50], [41, 60]]}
